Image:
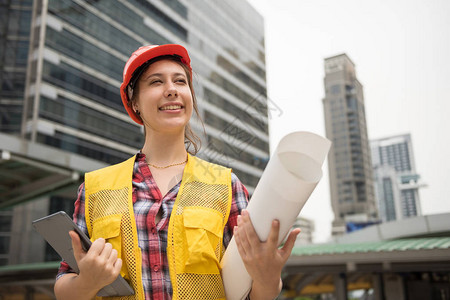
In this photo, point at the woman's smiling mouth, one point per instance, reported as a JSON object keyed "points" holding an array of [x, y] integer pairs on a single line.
{"points": [[171, 107]]}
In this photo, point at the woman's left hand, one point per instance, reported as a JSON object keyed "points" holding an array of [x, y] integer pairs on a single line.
{"points": [[263, 260]]}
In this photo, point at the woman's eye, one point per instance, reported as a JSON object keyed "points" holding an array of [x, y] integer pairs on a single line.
{"points": [[181, 80], [155, 81]]}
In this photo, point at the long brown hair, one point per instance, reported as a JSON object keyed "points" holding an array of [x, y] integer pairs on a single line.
{"points": [[191, 140]]}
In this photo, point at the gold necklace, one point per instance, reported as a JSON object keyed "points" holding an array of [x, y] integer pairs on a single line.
{"points": [[172, 165]]}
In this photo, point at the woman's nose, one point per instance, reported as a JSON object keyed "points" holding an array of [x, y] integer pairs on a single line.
{"points": [[171, 91]]}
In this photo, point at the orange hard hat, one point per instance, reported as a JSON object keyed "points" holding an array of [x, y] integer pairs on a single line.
{"points": [[139, 58]]}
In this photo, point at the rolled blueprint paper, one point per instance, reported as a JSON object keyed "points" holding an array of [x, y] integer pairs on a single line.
{"points": [[287, 182]]}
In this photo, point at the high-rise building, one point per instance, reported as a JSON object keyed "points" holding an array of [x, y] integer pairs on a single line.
{"points": [[396, 180], [349, 162], [61, 68], [77, 53]]}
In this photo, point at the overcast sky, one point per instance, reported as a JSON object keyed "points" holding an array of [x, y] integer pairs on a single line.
{"points": [[401, 50]]}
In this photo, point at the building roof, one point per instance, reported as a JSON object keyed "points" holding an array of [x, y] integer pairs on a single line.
{"points": [[342, 55], [379, 246], [312, 269], [29, 170], [437, 225], [40, 276], [52, 265], [381, 255]]}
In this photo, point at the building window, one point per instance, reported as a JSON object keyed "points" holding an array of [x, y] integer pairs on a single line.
{"points": [[4, 244], [335, 89]]}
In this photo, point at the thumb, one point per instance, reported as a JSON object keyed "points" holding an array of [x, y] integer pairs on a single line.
{"points": [[287, 248], [78, 251]]}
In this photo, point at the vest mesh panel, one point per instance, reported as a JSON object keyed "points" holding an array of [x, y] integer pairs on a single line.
{"points": [[104, 204], [214, 197]]}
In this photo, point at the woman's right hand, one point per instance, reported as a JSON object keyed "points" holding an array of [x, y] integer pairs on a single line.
{"points": [[99, 266]]}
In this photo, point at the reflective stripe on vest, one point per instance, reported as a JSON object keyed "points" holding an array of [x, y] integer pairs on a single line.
{"points": [[196, 225]]}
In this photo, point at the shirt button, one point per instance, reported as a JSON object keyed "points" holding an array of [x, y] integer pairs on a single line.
{"points": [[156, 268], [154, 230]]}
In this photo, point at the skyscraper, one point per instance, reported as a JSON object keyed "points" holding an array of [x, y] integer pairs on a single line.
{"points": [[396, 180], [349, 162], [61, 68]]}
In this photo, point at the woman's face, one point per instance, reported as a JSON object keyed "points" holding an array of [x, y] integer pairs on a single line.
{"points": [[164, 97]]}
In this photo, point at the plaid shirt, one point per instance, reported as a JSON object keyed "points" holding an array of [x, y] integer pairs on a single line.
{"points": [[147, 201]]}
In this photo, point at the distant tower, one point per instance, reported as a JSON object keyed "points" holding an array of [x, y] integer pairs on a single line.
{"points": [[396, 180], [308, 227], [349, 161]]}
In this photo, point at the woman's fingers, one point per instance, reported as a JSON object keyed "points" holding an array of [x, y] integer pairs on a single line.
{"points": [[115, 262], [117, 267], [106, 252], [99, 266], [273, 234], [242, 235], [238, 240], [249, 230], [97, 246], [113, 256], [290, 242]]}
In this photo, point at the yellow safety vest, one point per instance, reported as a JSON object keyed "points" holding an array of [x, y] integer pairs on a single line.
{"points": [[194, 239]]}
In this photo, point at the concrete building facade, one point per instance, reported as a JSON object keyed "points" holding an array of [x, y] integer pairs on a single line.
{"points": [[77, 53], [15, 18], [396, 180], [307, 226], [349, 161]]}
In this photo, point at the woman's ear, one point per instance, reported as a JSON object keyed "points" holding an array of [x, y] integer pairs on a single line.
{"points": [[136, 110]]}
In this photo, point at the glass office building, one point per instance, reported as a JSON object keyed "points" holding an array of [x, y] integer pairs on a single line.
{"points": [[77, 53], [15, 18]]}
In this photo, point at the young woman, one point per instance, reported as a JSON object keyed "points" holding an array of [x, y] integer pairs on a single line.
{"points": [[163, 218]]}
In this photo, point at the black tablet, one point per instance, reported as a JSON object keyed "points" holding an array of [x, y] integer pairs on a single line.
{"points": [[55, 230]]}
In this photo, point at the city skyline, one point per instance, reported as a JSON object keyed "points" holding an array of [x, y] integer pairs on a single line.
{"points": [[401, 47], [401, 52]]}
